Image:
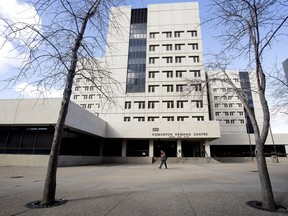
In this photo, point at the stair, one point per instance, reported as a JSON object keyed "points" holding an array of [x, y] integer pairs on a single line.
{"points": [[188, 160]]}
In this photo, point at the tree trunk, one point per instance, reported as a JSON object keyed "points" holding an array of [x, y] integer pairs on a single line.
{"points": [[265, 183], [48, 197]]}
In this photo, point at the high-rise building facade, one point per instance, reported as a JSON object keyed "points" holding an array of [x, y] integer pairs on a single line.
{"points": [[157, 59], [161, 99]]}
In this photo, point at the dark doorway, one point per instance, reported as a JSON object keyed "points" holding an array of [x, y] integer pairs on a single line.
{"points": [[170, 148], [137, 148], [112, 147], [192, 149]]}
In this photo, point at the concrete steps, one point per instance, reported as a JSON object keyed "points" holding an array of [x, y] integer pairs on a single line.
{"points": [[188, 160]]}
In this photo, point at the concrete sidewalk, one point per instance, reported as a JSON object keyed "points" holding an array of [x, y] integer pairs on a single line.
{"points": [[182, 189]]}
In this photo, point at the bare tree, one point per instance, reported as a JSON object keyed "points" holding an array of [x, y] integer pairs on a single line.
{"points": [[53, 52], [249, 28], [278, 93]]}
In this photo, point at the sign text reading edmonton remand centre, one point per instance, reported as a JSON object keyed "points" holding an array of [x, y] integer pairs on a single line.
{"points": [[179, 134]]}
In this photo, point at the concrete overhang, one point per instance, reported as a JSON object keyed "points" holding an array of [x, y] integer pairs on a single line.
{"points": [[44, 112], [246, 139]]}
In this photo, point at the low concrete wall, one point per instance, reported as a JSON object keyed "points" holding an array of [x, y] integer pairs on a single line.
{"points": [[42, 160], [78, 160], [234, 159], [24, 160], [274, 160], [249, 159], [128, 160], [63, 160]]}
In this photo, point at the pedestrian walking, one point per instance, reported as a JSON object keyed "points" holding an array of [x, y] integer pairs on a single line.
{"points": [[163, 159]]}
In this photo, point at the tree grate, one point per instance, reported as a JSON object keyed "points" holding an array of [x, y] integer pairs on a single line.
{"points": [[37, 205], [258, 205]]}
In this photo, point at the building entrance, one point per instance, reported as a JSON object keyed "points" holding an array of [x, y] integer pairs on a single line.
{"points": [[170, 148], [193, 149]]}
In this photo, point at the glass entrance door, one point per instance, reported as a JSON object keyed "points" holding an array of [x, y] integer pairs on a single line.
{"points": [[170, 148]]}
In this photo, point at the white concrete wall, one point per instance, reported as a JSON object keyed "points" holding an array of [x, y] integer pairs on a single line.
{"points": [[37, 112], [29, 111], [116, 57], [148, 130], [116, 54], [174, 14]]}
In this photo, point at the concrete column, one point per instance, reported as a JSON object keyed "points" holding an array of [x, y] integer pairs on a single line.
{"points": [[101, 147], [124, 148], [207, 148], [179, 148], [151, 148], [286, 149]]}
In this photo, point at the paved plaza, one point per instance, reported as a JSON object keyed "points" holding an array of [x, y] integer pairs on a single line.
{"points": [[182, 189]]}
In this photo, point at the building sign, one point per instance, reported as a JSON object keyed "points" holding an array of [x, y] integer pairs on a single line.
{"points": [[178, 135]]}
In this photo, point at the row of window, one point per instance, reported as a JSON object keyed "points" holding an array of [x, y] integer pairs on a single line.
{"points": [[170, 73], [229, 97], [169, 47], [165, 118], [169, 59], [226, 105], [231, 113], [90, 106], [224, 89], [79, 79], [231, 121], [179, 87], [87, 88], [169, 104], [176, 34], [86, 97], [224, 80]]}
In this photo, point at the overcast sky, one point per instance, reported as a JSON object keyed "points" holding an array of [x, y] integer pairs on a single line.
{"points": [[18, 10]]}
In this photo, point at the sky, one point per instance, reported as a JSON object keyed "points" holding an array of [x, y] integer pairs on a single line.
{"points": [[18, 10]]}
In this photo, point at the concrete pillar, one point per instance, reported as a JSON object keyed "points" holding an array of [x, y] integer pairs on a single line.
{"points": [[151, 148], [124, 148], [179, 148], [207, 148], [101, 147], [286, 149]]}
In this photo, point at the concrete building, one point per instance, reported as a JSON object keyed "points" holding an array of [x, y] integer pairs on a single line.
{"points": [[155, 52], [285, 67], [161, 99], [237, 134]]}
